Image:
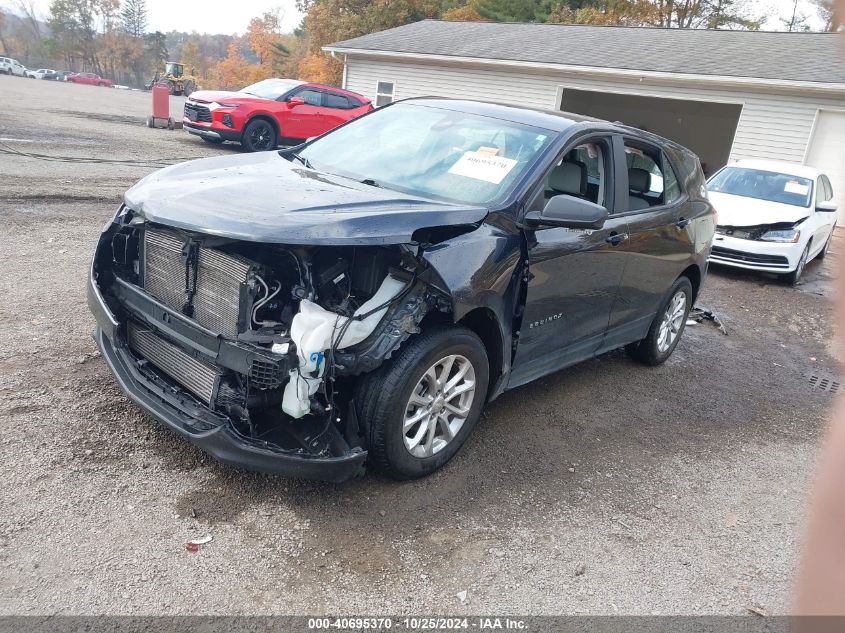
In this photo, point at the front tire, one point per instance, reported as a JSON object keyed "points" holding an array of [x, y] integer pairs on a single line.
{"points": [[418, 408], [259, 136], [793, 277], [667, 327]]}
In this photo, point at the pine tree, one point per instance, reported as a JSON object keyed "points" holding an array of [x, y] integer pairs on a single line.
{"points": [[134, 17]]}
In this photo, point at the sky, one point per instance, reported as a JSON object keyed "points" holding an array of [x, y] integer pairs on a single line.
{"points": [[225, 16], [208, 16]]}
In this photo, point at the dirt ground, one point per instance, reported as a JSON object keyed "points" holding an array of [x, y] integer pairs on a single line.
{"points": [[606, 488]]}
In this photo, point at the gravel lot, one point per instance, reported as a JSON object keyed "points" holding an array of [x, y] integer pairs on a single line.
{"points": [[606, 488]]}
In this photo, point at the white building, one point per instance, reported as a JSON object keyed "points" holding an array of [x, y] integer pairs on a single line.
{"points": [[726, 95]]}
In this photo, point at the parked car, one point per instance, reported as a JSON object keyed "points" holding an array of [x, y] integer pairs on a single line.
{"points": [[773, 216], [56, 75], [40, 73], [269, 112], [361, 296], [92, 79], [11, 66]]}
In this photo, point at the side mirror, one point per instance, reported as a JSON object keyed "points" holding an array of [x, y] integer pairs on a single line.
{"points": [[295, 101], [828, 206], [568, 212]]}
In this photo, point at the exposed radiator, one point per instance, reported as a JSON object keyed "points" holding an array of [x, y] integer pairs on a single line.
{"points": [[195, 376], [216, 302]]}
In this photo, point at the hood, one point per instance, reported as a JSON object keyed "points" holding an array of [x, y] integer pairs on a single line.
{"points": [[741, 211], [263, 197], [207, 96]]}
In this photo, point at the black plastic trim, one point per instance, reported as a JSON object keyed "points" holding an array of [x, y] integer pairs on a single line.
{"points": [[213, 432]]}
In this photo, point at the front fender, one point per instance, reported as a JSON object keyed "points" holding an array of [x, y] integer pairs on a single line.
{"points": [[479, 270]]}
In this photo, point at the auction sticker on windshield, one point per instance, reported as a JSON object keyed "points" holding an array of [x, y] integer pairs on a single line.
{"points": [[793, 186], [483, 166]]}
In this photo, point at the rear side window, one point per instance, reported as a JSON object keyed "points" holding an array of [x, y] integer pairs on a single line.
{"points": [[646, 180], [334, 100], [671, 188]]}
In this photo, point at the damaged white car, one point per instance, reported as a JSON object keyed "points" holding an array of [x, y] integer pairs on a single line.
{"points": [[773, 217]]}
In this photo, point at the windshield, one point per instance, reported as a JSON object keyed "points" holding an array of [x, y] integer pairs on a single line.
{"points": [[763, 185], [271, 88], [431, 152]]}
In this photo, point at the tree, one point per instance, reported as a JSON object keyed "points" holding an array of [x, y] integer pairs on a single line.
{"points": [[134, 17], [6, 50], [155, 48], [191, 57], [232, 73], [463, 13], [508, 10], [797, 21], [263, 33], [830, 14], [329, 21]]}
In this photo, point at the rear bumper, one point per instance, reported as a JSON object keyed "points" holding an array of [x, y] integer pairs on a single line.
{"points": [[211, 133], [211, 431]]}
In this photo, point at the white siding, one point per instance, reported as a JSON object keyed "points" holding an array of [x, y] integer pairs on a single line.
{"points": [[772, 125], [827, 152]]}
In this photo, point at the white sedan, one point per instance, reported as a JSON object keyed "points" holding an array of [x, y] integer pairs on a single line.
{"points": [[38, 74], [773, 217]]}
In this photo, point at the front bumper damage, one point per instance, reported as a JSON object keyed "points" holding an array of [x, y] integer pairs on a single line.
{"points": [[313, 450]]}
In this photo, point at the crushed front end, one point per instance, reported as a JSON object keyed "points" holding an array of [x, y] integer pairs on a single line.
{"points": [[252, 351]]}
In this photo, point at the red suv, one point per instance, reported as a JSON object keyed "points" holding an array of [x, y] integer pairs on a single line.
{"points": [[89, 78], [269, 112]]}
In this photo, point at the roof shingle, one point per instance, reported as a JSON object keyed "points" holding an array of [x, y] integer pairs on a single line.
{"points": [[813, 57]]}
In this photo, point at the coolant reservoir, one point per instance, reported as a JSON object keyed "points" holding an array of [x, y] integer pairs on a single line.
{"points": [[312, 331]]}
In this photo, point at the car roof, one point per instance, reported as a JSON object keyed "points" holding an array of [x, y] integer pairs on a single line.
{"points": [[783, 167], [311, 84], [555, 121]]}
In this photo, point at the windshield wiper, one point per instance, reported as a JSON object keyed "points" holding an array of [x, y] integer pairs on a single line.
{"points": [[301, 159]]}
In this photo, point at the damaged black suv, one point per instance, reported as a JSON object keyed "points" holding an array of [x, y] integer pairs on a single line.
{"points": [[356, 300]]}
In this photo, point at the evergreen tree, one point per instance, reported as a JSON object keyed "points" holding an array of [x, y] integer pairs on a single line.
{"points": [[134, 17]]}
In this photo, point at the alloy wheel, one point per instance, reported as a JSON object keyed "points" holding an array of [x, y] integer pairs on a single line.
{"points": [[261, 136], [438, 406], [673, 321]]}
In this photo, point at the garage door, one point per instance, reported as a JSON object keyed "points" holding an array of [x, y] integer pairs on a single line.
{"points": [[827, 152], [705, 127]]}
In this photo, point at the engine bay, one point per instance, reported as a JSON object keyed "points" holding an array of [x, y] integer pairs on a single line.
{"points": [[303, 322]]}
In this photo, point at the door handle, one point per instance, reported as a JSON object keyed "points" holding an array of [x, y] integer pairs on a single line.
{"points": [[614, 239], [682, 223]]}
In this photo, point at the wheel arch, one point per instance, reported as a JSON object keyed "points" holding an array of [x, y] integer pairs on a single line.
{"points": [[270, 119], [693, 273], [485, 324]]}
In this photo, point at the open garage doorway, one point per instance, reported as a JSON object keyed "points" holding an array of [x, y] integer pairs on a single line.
{"points": [[705, 127]]}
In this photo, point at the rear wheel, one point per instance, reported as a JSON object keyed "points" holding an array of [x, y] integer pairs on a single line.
{"points": [[419, 407], [259, 136], [667, 327]]}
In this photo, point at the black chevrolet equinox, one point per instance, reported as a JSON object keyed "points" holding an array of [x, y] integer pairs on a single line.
{"points": [[356, 300]]}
